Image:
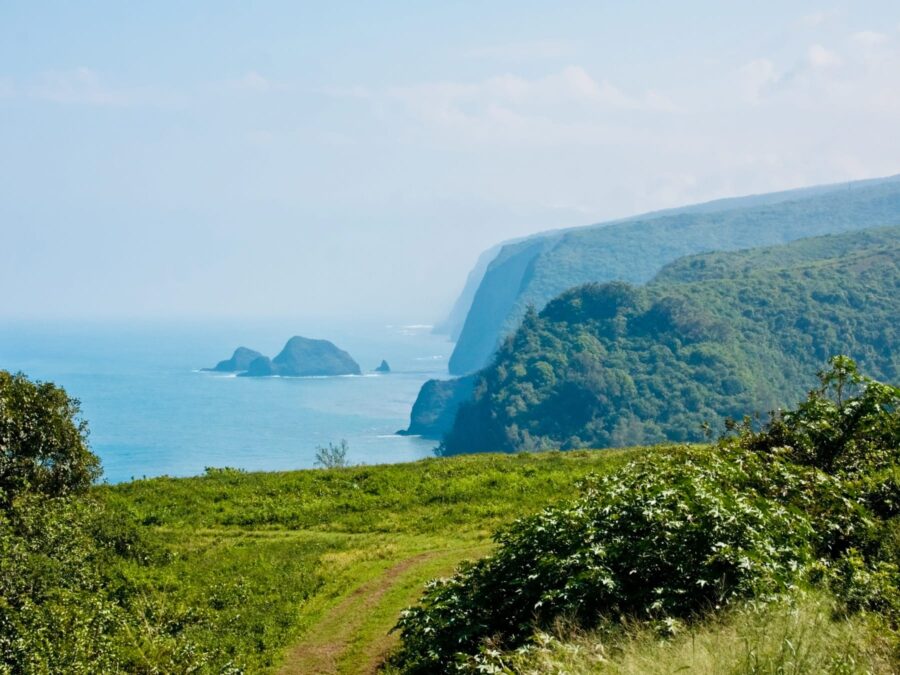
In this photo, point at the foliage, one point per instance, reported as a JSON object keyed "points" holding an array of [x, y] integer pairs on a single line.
{"points": [[616, 365], [672, 536], [43, 442], [64, 604], [332, 456], [849, 425], [663, 539]]}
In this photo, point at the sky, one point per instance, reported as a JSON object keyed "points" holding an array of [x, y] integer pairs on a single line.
{"points": [[247, 160]]}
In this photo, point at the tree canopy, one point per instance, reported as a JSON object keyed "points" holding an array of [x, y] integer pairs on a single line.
{"points": [[43, 441]]}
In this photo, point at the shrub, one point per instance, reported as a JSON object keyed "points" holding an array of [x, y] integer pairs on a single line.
{"points": [[678, 533], [850, 425], [43, 442], [332, 456], [665, 539]]}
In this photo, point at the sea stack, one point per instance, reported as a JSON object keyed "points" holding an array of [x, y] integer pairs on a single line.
{"points": [[304, 357], [383, 368], [239, 361]]}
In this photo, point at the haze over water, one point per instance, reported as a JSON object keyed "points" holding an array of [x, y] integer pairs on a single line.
{"points": [[152, 413]]}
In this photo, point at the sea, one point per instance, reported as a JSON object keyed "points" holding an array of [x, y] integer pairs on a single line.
{"points": [[152, 410]]}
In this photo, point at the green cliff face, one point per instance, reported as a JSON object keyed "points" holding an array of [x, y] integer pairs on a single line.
{"points": [[436, 406], [534, 271]]}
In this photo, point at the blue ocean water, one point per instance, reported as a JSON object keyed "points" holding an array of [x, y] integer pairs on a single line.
{"points": [[151, 412]]}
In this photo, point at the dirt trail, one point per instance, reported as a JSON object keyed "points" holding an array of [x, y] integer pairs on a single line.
{"points": [[325, 643]]}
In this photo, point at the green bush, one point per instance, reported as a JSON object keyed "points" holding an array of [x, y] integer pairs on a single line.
{"points": [[668, 537], [43, 441], [812, 497]]}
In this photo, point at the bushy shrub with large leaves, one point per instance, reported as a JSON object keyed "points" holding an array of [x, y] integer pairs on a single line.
{"points": [[687, 530], [677, 533], [850, 426]]}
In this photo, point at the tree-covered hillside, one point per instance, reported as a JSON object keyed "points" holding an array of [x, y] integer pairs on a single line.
{"points": [[533, 271], [715, 336]]}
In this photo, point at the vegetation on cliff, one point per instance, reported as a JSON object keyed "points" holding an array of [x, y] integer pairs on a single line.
{"points": [[533, 271], [714, 336]]}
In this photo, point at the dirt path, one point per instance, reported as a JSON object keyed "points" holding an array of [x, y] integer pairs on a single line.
{"points": [[322, 647]]}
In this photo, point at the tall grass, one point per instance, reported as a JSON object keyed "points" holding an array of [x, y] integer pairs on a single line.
{"points": [[802, 636]]}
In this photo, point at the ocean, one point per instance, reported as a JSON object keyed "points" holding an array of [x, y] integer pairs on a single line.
{"points": [[152, 412]]}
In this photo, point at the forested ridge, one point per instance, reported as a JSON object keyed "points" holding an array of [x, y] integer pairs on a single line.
{"points": [[535, 270], [713, 336]]}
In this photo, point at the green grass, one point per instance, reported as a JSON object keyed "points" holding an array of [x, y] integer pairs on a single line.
{"points": [[802, 636], [310, 567]]}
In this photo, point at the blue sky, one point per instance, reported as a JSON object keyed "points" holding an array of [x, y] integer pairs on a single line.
{"points": [[284, 159]]}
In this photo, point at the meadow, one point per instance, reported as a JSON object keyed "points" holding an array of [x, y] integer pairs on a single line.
{"points": [[308, 571]]}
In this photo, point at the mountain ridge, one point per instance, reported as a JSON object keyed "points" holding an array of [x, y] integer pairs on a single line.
{"points": [[535, 269], [610, 364]]}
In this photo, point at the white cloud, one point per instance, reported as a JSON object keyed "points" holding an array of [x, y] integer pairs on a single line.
{"points": [[84, 86], [819, 57], [873, 48], [573, 84], [566, 106]]}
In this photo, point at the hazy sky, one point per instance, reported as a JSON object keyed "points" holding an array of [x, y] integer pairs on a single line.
{"points": [[269, 158]]}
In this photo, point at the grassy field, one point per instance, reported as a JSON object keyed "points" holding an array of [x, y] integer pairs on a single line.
{"points": [[307, 571]]}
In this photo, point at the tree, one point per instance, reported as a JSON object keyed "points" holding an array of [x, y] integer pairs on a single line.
{"points": [[333, 456], [43, 441]]}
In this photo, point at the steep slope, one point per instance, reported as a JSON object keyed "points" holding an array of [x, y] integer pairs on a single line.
{"points": [[713, 337], [436, 406], [533, 271], [452, 325]]}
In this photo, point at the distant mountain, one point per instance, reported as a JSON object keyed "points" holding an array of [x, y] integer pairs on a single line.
{"points": [[534, 270], [712, 336], [239, 361]]}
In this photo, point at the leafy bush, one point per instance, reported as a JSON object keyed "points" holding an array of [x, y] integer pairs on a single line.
{"points": [[60, 606], [679, 533], [43, 442], [850, 425], [69, 596], [668, 537]]}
